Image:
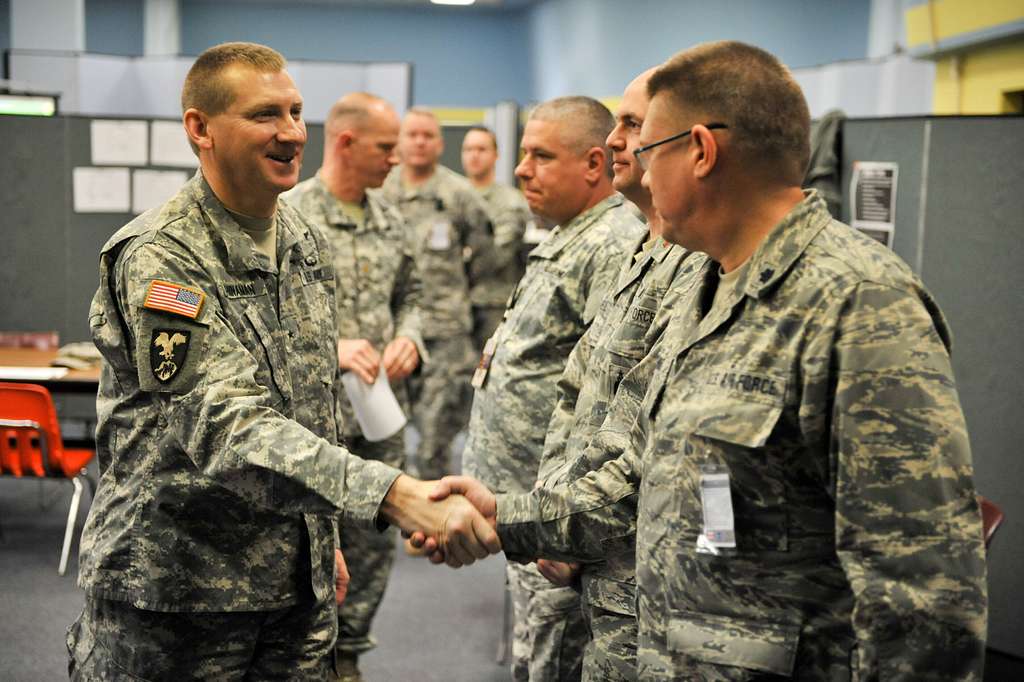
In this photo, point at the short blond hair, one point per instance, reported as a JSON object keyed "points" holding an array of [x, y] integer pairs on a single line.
{"points": [[750, 91], [204, 87]]}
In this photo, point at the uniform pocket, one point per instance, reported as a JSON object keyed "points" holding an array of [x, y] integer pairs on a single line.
{"points": [[735, 642], [278, 365]]}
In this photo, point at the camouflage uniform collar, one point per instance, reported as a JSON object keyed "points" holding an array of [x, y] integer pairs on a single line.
{"points": [[564, 233], [334, 210], [241, 252], [428, 190], [784, 245]]}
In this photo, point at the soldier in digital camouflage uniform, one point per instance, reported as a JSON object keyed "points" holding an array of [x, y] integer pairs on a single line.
{"points": [[510, 215], [806, 374], [453, 233], [566, 178], [209, 551], [378, 299], [621, 334]]}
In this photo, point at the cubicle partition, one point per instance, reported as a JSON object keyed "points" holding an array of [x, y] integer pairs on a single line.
{"points": [[957, 221]]}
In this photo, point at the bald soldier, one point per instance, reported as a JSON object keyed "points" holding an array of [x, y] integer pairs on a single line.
{"points": [[379, 291], [453, 238], [209, 551], [565, 175], [803, 501], [629, 320], [510, 215]]}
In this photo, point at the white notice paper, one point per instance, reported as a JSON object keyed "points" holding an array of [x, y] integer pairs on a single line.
{"points": [[100, 190], [118, 143], [153, 187], [15, 373], [376, 408], [169, 146], [873, 199]]}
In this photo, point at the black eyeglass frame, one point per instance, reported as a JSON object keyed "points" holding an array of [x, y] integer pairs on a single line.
{"points": [[678, 136]]}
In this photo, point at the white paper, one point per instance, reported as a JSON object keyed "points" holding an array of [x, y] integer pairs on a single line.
{"points": [[153, 187], [375, 406], [100, 190], [873, 199], [118, 143], [169, 146], [32, 373]]}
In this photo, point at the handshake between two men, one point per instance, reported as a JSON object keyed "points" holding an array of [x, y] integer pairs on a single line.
{"points": [[452, 520]]}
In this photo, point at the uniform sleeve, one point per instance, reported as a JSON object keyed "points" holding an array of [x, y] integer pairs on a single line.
{"points": [[477, 230], [509, 220], [563, 417], [593, 513], [223, 419], [405, 300], [587, 519], [908, 529]]}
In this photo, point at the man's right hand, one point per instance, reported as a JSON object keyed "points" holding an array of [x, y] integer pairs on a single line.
{"points": [[359, 356], [451, 521], [475, 492]]}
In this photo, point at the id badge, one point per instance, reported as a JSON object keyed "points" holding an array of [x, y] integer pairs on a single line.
{"points": [[480, 375], [440, 240], [719, 531]]}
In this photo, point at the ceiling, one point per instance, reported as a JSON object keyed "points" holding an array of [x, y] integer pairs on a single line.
{"points": [[506, 4]]}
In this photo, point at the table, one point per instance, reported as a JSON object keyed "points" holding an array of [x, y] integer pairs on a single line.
{"points": [[75, 381]]}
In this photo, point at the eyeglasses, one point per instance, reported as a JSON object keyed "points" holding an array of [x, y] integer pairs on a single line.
{"points": [[645, 161]]}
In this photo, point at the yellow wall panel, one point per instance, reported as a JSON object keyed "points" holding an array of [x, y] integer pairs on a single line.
{"points": [[976, 85], [940, 20]]}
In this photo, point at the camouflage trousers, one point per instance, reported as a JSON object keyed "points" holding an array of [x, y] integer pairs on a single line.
{"points": [[441, 396], [610, 655], [369, 555], [548, 631], [113, 641], [486, 319]]}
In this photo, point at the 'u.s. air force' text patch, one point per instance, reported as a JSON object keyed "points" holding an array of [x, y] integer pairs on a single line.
{"points": [[167, 352], [174, 298]]}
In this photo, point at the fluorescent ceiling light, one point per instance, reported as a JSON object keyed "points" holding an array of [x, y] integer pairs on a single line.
{"points": [[453, 2]]}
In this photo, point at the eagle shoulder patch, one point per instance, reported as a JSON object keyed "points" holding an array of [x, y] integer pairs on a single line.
{"points": [[174, 298], [167, 352]]}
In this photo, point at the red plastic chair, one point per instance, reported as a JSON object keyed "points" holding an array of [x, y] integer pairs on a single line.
{"points": [[991, 518], [30, 444]]}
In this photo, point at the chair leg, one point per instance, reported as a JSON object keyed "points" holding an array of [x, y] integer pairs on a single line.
{"points": [[502, 656], [69, 532]]}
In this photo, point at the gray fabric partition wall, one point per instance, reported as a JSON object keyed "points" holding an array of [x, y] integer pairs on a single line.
{"points": [[50, 253], [960, 225]]}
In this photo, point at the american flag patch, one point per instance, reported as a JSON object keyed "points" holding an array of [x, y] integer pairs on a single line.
{"points": [[174, 298]]}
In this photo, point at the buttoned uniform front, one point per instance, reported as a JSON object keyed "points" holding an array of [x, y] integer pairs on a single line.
{"points": [[379, 292], [821, 384], [453, 233], [621, 335], [220, 487], [567, 278], [495, 281]]}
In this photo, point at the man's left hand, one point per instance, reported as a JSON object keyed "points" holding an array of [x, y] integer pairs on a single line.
{"points": [[341, 577], [400, 358]]}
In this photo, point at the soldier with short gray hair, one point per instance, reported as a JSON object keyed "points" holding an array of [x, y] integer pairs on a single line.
{"points": [[565, 175]]}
